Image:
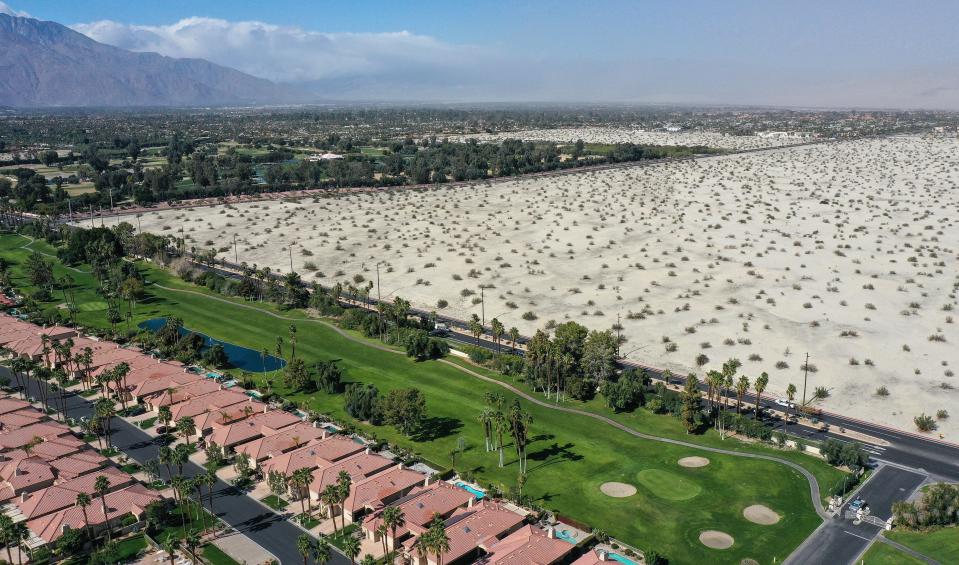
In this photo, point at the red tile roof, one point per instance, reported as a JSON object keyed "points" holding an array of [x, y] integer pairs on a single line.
{"points": [[477, 527], [528, 545], [359, 467], [373, 491], [261, 424], [284, 440], [131, 500], [332, 448], [60, 496], [421, 504]]}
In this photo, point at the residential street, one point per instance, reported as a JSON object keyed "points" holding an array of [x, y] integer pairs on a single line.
{"points": [[240, 511]]}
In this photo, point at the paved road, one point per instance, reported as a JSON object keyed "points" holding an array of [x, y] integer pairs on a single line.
{"points": [[839, 541], [262, 525]]}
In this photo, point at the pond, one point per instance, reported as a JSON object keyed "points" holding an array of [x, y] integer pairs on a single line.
{"points": [[241, 358]]}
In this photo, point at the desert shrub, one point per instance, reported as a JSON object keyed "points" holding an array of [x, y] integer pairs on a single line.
{"points": [[924, 423]]}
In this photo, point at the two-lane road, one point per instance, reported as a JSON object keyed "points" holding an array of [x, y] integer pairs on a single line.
{"points": [[247, 516]]}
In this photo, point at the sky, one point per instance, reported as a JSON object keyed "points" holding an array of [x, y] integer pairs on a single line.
{"points": [[886, 54]]}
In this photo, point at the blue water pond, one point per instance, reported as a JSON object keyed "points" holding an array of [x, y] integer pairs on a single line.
{"points": [[242, 358]]}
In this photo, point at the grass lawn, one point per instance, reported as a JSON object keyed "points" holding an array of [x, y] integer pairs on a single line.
{"points": [[940, 544], [342, 534], [129, 547], [215, 556], [275, 502], [177, 528], [306, 521], [882, 554], [148, 423], [569, 456]]}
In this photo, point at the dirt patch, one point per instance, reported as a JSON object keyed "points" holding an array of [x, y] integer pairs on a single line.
{"points": [[617, 490], [762, 515], [715, 539], [693, 462]]}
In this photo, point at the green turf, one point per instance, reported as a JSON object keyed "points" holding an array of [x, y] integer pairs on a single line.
{"points": [[883, 554], [215, 556], [274, 502], [669, 484], [940, 544], [569, 456]]}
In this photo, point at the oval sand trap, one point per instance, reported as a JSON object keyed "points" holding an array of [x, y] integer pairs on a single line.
{"points": [[715, 539], [693, 462], [762, 515], [617, 490]]}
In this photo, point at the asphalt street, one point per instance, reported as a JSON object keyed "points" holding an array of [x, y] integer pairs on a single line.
{"points": [[247, 516], [841, 541]]}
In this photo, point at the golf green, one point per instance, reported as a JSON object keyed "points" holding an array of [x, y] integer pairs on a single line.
{"points": [[668, 485]]}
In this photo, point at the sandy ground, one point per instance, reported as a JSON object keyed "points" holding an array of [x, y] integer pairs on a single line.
{"points": [[635, 135], [617, 490], [847, 251], [759, 514], [716, 540], [693, 462]]}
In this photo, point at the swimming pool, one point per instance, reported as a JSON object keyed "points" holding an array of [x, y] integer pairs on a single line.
{"points": [[241, 358], [478, 493], [621, 559], [565, 536]]}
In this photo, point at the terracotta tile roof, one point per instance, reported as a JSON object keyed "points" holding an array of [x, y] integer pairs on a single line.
{"points": [[13, 439], [8, 405], [105, 358], [20, 419], [332, 448], [212, 402], [593, 557], [284, 440], [182, 393], [261, 424], [372, 491], [528, 545], [157, 378], [359, 466], [60, 496], [421, 504], [131, 500], [477, 527], [27, 474], [78, 464]]}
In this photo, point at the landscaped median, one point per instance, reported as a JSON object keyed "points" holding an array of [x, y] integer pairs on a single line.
{"points": [[570, 456]]}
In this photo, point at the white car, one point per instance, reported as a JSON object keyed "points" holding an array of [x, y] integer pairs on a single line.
{"points": [[785, 403]]}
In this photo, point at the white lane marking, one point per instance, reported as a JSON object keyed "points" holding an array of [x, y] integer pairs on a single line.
{"points": [[857, 535]]}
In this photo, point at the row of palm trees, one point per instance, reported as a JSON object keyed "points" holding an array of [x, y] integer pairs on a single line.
{"points": [[500, 418]]}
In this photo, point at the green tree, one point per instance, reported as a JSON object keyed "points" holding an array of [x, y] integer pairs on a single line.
{"points": [[101, 486], [760, 386], [187, 428], [305, 545], [692, 405]]}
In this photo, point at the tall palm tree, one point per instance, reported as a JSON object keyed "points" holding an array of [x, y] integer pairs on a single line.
{"points": [[187, 427], [165, 457], [343, 482], [351, 547], [170, 545], [331, 497], [6, 535], [759, 386], [513, 337], [497, 329], [300, 480], [394, 519], [322, 552], [192, 542], [83, 500], [165, 415], [742, 387], [101, 486], [304, 544], [181, 454], [105, 409], [486, 419], [439, 542], [292, 341], [209, 479], [791, 395]]}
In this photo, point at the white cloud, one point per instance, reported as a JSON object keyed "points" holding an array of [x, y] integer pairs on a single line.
{"points": [[6, 9], [283, 53]]}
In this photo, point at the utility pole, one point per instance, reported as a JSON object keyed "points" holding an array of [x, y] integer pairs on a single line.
{"points": [[618, 326], [291, 257], [236, 255], [804, 379], [483, 304], [111, 198], [379, 302]]}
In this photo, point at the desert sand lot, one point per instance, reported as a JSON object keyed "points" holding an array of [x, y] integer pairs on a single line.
{"points": [[640, 136], [848, 251]]}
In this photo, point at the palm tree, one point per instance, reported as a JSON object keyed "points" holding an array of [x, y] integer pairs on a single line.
{"points": [[331, 497], [105, 409], [394, 519], [181, 454], [101, 486], [520, 422], [187, 427], [300, 480], [192, 541], [209, 479], [513, 337], [166, 458], [439, 542], [368, 559], [322, 552], [759, 386], [305, 545], [343, 482], [497, 328], [292, 341], [83, 500], [279, 346], [7, 535], [170, 546], [790, 394], [180, 484], [351, 547], [742, 387], [165, 415], [486, 419]]}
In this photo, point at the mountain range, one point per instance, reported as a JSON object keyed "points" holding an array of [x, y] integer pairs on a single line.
{"points": [[44, 63]]}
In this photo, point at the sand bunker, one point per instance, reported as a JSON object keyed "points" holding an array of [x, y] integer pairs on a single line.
{"points": [[762, 515], [693, 462], [617, 490], [716, 539]]}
